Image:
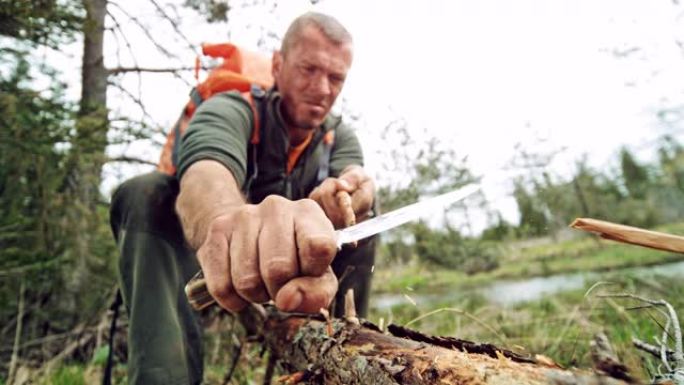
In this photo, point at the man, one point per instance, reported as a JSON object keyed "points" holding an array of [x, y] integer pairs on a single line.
{"points": [[259, 220]]}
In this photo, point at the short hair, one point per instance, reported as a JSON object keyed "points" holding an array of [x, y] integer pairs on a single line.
{"points": [[328, 25]]}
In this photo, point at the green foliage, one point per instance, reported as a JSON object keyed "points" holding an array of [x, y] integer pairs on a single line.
{"points": [[32, 199], [533, 219], [67, 375], [213, 10], [42, 238], [635, 176], [639, 194], [100, 356], [44, 22], [421, 170], [559, 326], [500, 231], [447, 248]]}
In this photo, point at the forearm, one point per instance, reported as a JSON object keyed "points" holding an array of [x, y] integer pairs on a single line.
{"points": [[207, 190]]}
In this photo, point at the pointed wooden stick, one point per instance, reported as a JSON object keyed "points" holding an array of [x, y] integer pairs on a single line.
{"points": [[631, 235]]}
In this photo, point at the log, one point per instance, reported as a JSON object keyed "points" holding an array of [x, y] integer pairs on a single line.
{"points": [[631, 235], [320, 350]]}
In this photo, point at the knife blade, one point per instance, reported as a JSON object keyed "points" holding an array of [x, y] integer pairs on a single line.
{"points": [[196, 289], [401, 216]]}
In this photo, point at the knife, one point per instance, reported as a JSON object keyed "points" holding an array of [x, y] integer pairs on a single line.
{"points": [[196, 289]]}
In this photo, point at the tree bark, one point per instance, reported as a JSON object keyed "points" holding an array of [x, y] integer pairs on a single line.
{"points": [[338, 351], [87, 153], [94, 74]]}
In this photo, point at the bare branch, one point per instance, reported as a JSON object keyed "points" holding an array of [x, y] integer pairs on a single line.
{"points": [[672, 320], [121, 70], [174, 25], [135, 99], [648, 348], [123, 36], [146, 31], [131, 159], [663, 345]]}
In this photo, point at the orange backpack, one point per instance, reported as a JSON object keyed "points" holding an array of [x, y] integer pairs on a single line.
{"points": [[241, 70]]}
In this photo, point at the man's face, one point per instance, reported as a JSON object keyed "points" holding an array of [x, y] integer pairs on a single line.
{"points": [[310, 77]]}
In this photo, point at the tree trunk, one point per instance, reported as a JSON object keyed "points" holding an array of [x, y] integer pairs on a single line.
{"points": [[87, 153], [91, 140], [338, 351]]}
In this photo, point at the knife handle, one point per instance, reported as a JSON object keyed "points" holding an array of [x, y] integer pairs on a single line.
{"points": [[197, 293]]}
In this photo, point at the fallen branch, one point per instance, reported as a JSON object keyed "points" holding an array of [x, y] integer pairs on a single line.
{"points": [[656, 351], [672, 321], [337, 351]]}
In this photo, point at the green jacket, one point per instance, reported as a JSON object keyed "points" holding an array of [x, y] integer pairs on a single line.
{"points": [[221, 129]]}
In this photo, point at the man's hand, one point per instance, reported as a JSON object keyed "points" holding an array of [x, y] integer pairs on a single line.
{"points": [[278, 249], [354, 181]]}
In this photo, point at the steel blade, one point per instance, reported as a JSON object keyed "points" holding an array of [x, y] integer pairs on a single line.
{"points": [[402, 215]]}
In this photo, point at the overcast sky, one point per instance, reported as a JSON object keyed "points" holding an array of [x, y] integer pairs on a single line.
{"points": [[483, 76]]}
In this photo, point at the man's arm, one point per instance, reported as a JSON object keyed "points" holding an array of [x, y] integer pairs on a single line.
{"points": [[278, 249], [207, 190]]}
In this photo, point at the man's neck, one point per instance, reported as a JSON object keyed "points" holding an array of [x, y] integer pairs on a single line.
{"points": [[297, 135]]}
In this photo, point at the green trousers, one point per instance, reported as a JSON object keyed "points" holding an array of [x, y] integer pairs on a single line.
{"points": [[164, 336]]}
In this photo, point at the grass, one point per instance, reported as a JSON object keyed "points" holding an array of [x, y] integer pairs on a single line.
{"points": [[560, 326], [519, 261]]}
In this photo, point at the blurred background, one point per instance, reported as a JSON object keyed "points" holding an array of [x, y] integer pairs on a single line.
{"points": [[560, 109]]}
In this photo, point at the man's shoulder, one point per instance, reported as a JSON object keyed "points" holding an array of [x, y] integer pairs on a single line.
{"points": [[334, 122], [227, 98], [225, 109], [226, 102]]}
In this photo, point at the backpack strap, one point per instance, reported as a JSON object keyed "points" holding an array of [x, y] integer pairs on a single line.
{"points": [[324, 159], [176, 143], [255, 98], [196, 99]]}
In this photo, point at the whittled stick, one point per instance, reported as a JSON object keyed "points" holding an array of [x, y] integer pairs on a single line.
{"points": [[631, 235], [345, 202]]}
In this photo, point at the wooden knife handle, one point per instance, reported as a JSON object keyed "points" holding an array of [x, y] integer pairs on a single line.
{"points": [[197, 293]]}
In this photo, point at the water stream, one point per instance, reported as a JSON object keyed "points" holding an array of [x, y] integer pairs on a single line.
{"points": [[511, 292]]}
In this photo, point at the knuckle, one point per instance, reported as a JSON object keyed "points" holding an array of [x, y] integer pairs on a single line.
{"points": [[248, 284], [308, 205], [220, 292], [278, 271], [273, 201], [226, 297], [218, 226], [322, 248], [329, 183], [245, 214]]}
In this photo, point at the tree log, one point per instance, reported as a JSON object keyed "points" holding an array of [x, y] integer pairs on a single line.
{"points": [[338, 351]]}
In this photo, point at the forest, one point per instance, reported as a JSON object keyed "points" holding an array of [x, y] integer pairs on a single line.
{"points": [[444, 276]]}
